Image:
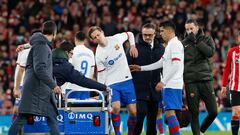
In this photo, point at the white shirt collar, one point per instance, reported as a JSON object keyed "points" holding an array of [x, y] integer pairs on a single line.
{"points": [[152, 44]]}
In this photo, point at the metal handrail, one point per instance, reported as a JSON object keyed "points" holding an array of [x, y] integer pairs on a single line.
{"points": [[67, 100]]}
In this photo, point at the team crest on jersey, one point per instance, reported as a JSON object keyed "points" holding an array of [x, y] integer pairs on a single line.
{"points": [[237, 58], [117, 47], [237, 61]]}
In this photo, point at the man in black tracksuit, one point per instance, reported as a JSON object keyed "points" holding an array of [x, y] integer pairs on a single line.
{"points": [[198, 78], [150, 50]]}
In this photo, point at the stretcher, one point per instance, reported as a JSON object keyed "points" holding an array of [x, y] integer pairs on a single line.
{"points": [[78, 117]]}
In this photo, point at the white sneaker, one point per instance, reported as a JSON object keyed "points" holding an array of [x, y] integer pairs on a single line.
{"points": [[201, 133]]}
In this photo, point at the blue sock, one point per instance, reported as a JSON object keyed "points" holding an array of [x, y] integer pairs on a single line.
{"points": [[173, 125], [116, 123], [132, 120], [159, 123]]}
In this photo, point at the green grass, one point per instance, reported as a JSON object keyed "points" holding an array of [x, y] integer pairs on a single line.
{"points": [[207, 133], [186, 133], [190, 133]]}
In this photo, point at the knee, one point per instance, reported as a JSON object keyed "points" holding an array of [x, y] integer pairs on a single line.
{"points": [[115, 109], [169, 113], [133, 112], [236, 111]]}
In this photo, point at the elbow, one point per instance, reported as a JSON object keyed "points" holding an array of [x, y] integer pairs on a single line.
{"points": [[40, 72], [130, 33]]}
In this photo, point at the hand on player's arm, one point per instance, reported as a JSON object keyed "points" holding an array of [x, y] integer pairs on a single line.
{"points": [[134, 68], [22, 47]]}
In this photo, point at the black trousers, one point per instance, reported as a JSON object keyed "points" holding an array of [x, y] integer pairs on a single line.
{"points": [[149, 110], [21, 120], [205, 91]]}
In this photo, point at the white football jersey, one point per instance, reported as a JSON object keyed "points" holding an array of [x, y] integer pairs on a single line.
{"points": [[173, 52], [112, 61], [83, 61], [172, 63], [22, 57], [22, 60]]}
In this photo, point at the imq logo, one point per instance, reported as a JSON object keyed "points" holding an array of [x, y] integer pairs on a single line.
{"points": [[81, 116]]}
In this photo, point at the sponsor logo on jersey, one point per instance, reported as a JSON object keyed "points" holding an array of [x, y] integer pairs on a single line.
{"points": [[112, 62]]}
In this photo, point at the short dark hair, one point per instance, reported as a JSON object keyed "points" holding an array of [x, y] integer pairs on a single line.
{"points": [[149, 26], [168, 24], [49, 27], [195, 22], [35, 31], [92, 29], [80, 36], [66, 46]]}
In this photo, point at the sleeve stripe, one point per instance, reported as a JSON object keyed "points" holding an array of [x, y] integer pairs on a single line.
{"points": [[21, 65], [176, 59], [101, 70], [127, 35]]}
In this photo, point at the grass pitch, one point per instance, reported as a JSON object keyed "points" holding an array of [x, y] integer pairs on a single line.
{"points": [[190, 133]]}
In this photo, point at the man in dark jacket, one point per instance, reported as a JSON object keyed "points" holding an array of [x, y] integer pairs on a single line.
{"points": [[150, 50], [64, 71], [198, 78], [39, 85]]}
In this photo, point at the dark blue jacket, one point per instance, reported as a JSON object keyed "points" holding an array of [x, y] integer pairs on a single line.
{"points": [[145, 82], [64, 71], [37, 97]]}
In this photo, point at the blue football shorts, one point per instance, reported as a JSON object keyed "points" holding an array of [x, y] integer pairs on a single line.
{"points": [[123, 92], [172, 99]]}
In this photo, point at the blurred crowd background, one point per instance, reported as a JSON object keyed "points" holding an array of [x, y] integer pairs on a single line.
{"points": [[18, 18]]}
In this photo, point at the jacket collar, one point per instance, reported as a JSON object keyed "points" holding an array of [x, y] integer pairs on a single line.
{"points": [[59, 54]]}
